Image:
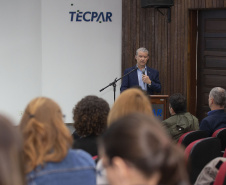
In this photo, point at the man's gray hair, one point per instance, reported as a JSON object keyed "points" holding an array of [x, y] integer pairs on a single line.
{"points": [[219, 96], [143, 50]]}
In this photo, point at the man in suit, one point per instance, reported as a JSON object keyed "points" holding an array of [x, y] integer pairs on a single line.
{"points": [[216, 118], [143, 76]]}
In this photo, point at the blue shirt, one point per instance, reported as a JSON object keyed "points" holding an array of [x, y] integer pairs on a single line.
{"points": [[77, 168], [141, 83]]}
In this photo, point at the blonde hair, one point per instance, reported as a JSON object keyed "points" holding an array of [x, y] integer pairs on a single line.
{"points": [[46, 138], [130, 101]]}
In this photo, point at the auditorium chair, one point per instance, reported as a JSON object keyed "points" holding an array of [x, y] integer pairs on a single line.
{"points": [[191, 136], [199, 153], [221, 134], [220, 178]]}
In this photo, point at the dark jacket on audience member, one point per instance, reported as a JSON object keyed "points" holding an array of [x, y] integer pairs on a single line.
{"points": [[216, 119], [88, 143], [179, 124]]}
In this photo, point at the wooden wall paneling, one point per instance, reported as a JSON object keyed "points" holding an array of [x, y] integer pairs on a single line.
{"points": [[160, 39], [183, 48], [168, 59], [164, 49], [167, 42], [139, 24], [175, 57], [179, 39], [124, 35], [197, 3], [203, 5], [214, 4], [134, 32], [152, 33], [155, 49], [220, 3], [126, 52], [217, 3], [189, 4], [209, 3], [172, 48], [148, 31], [164, 54], [192, 2], [142, 19]]}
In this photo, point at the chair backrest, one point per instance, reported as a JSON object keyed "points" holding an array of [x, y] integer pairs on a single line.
{"points": [[201, 152], [224, 155], [221, 134], [191, 136], [220, 178]]}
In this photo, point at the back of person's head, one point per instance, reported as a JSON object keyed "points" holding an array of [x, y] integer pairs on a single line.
{"points": [[178, 103], [11, 168], [219, 96], [90, 116], [46, 138], [130, 101], [142, 143]]}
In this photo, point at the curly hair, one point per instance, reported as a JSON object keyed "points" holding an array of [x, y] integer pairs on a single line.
{"points": [[46, 138], [90, 116]]}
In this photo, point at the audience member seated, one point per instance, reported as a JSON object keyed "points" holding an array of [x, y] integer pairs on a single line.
{"points": [[144, 155], [11, 168], [216, 118], [90, 120], [48, 158], [180, 121], [130, 101]]}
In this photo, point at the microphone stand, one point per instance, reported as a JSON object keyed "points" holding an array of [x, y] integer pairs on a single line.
{"points": [[115, 81]]}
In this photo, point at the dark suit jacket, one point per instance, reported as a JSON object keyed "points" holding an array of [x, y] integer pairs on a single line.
{"points": [[215, 120], [132, 80]]}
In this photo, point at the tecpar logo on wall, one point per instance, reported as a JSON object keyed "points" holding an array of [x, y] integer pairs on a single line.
{"points": [[91, 16]]}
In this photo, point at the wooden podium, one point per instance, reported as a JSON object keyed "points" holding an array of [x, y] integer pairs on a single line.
{"points": [[160, 105]]}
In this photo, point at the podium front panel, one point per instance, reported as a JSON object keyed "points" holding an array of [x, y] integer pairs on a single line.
{"points": [[159, 105]]}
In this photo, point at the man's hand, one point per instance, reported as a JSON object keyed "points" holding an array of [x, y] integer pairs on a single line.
{"points": [[146, 79]]}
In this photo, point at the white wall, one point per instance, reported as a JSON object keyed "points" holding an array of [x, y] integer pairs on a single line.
{"points": [[20, 55], [44, 53]]}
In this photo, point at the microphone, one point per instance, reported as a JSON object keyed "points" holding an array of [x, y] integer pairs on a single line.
{"points": [[143, 72]]}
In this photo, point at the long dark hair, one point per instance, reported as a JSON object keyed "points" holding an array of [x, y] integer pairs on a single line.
{"points": [[141, 141]]}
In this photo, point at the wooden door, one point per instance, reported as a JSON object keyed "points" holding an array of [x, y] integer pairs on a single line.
{"points": [[211, 57]]}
